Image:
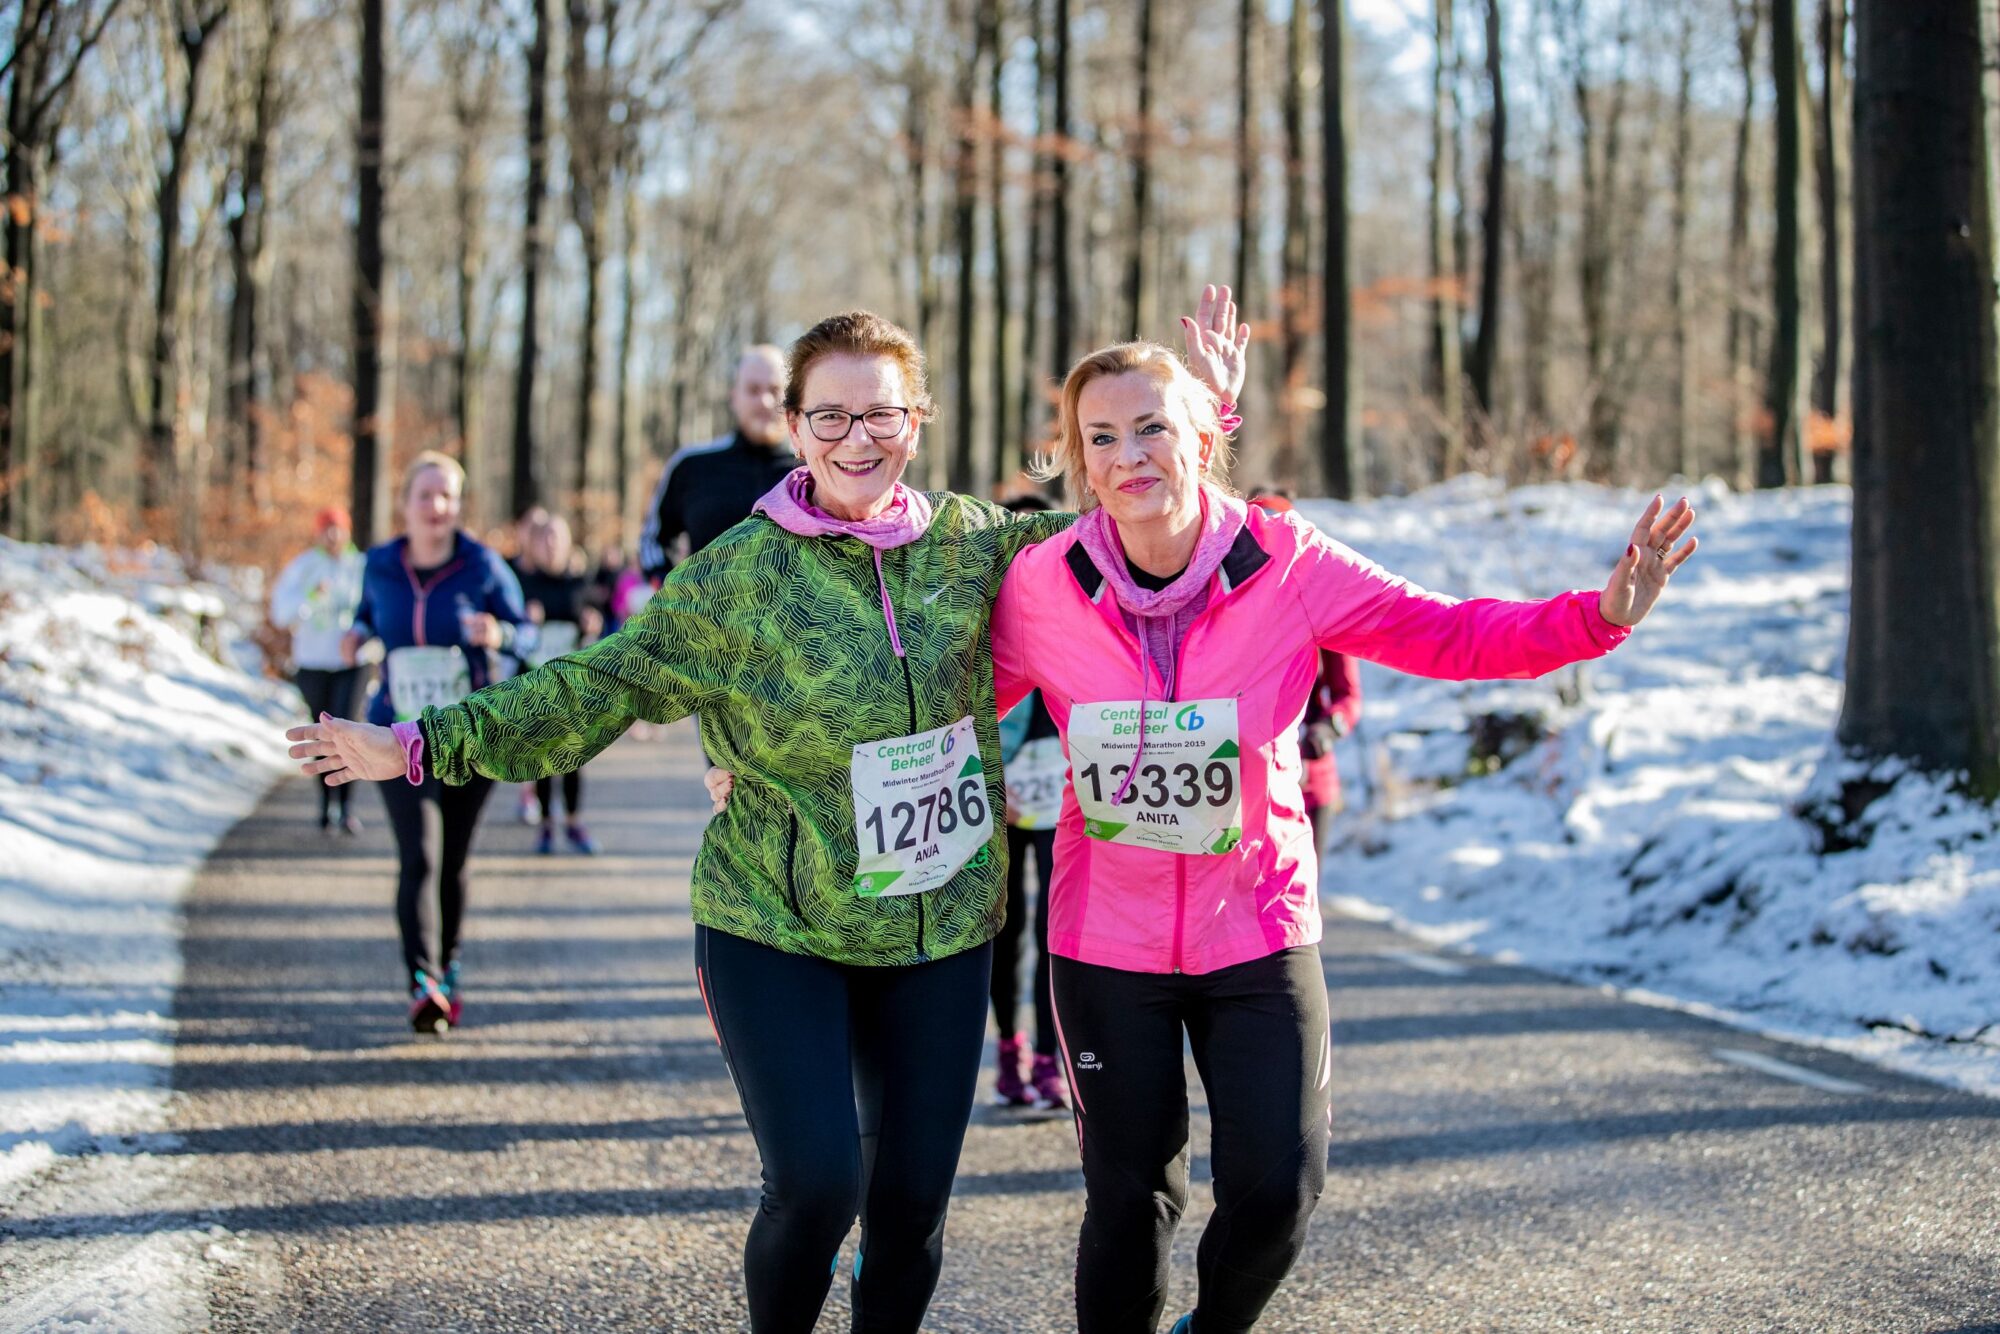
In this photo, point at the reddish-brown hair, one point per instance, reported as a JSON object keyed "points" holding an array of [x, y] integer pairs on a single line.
{"points": [[859, 333]]}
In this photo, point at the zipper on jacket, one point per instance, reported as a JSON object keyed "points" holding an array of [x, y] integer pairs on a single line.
{"points": [[791, 873], [923, 955]]}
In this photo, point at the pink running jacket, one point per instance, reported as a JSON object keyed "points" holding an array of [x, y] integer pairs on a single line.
{"points": [[1284, 592]]}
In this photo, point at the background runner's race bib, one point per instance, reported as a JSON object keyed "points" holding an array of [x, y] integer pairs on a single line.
{"points": [[920, 809], [1035, 783], [425, 675], [556, 639], [1188, 793]]}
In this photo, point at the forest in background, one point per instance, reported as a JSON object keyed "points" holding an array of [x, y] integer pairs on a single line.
{"points": [[1572, 244], [260, 251]]}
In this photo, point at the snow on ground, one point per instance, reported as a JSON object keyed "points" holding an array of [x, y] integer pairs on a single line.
{"points": [[126, 751], [1678, 833]]}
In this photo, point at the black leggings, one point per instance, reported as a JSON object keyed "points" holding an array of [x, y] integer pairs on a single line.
{"points": [[833, 1062], [329, 692], [1260, 1040], [572, 788], [1006, 988], [434, 824]]}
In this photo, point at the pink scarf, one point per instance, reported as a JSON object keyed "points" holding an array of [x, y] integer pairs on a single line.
{"points": [[1161, 619], [790, 505]]}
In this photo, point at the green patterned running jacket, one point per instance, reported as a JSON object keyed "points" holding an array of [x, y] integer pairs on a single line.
{"points": [[778, 641]]}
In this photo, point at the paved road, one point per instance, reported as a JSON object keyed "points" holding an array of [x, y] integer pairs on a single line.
{"points": [[1511, 1153]]}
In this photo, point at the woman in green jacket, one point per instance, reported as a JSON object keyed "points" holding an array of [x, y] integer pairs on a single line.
{"points": [[836, 646]]}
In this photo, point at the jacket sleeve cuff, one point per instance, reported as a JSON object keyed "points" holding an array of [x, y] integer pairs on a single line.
{"points": [[1603, 633], [411, 736]]}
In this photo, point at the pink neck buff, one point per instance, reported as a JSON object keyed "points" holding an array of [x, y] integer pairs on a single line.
{"points": [[790, 505], [1161, 619]]}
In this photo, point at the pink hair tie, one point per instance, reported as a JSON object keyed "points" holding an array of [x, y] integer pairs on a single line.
{"points": [[1226, 418]]}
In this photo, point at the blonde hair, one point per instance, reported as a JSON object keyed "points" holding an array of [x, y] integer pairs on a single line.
{"points": [[859, 333], [1065, 458], [431, 458]]}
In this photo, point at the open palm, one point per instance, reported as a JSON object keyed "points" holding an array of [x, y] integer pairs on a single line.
{"points": [[1217, 346], [1650, 559]]}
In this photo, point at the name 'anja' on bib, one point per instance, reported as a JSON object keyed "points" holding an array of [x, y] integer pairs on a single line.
{"points": [[1187, 795], [920, 809]]}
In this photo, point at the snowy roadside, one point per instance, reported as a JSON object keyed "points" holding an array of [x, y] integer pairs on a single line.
{"points": [[1676, 832], [126, 752]]}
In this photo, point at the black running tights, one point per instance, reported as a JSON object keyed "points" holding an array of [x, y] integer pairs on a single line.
{"points": [[1006, 988], [329, 692], [1260, 1040], [834, 1062], [434, 824]]}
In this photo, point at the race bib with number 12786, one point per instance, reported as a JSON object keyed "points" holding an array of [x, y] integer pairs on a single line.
{"points": [[920, 809]]}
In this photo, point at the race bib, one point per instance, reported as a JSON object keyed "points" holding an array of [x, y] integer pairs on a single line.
{"points": [[1187, 794], [1035, 783], [422, 676], [920, 810], [557, 638]]}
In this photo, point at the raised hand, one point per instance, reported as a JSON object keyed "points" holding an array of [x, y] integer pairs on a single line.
{"points": [[1217, 346], [1641, 575], [347, 752]]}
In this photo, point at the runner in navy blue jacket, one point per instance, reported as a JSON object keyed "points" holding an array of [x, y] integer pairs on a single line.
{"points": [[441, 603]]}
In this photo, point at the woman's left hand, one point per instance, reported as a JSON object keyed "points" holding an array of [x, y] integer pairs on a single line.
{"points": [[1217, 346], [1650, 560], [720, 783]]}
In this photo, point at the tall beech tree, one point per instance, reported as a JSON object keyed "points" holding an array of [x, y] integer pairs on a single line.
{"points": [[1923, 649]]}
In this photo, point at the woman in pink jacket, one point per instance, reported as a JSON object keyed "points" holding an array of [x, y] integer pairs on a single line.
{"points": [[1175, 636]]}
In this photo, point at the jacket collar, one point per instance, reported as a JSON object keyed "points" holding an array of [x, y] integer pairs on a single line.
{"points": [[1246, 556]]}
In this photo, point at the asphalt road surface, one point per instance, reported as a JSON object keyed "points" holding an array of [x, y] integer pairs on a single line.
{"points": [[1510, 1152]]}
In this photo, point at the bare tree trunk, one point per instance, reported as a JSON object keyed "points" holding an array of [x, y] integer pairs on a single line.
{"points": [[1249, 24], [248, 264], [625, 437], [373, 413], [526, 491], [1780, 457], [1444, 352], [1926, 402], [1742, 372], [1295, 258], [1600, 152], [1062, 328], [1830, 379], [1029, 414], [1142, 177], [159, 476], [468, 357], [1493, 225], [1006, 444], [1340, 438], [965, 190], [51, 40], [1683, 168]]}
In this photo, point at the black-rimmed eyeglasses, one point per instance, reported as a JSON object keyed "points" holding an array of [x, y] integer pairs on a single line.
{"points": [[831, 424]]}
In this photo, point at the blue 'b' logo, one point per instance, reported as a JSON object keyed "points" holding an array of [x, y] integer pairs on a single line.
{"points": [[950, 740], [1188, 720]]}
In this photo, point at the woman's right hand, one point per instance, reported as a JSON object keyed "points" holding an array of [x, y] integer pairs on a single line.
{"points": [[350, 647], [1217, 346], [720, 783], [347, 752]]}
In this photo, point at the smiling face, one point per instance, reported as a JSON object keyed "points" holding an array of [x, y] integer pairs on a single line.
{"points": [[431, 506], [1141, 453], [854, 477]]}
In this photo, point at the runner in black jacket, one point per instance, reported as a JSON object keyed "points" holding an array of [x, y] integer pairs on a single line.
{"points": [[708, 489]]}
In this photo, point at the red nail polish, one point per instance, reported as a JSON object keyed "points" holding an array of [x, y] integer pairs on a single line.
{"points": [[1630, 550]]}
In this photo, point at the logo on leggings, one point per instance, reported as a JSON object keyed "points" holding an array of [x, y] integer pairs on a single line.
{"points": [[1088, 1061]]}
